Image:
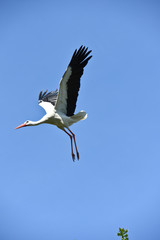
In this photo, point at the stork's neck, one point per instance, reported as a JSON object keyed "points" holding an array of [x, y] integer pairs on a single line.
{"points": [[42, 120]]}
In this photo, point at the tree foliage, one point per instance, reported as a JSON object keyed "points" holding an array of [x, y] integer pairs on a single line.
{"points": [[123, 234]]}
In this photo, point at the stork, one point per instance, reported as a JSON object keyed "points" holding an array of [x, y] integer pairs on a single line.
{"points": [[60, 105]]}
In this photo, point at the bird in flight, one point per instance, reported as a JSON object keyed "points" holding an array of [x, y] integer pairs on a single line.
{"points": [[60, 105]]}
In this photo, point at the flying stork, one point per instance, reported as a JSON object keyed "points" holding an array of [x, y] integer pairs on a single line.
{"points": [[60, 105]]}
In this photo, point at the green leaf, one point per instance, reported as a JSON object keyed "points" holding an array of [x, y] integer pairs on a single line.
{"points": [[123, 234]]}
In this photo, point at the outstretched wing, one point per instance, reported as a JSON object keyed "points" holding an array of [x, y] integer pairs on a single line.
{"points": [[70, 82], [48, 100]]}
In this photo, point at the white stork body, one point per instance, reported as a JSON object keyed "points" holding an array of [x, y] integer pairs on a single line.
{"points": [[60, 105]]}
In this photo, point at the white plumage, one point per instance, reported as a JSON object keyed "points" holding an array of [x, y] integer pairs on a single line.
{"points": [[60, 105]]}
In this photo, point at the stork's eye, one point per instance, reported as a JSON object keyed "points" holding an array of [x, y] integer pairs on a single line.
{"points": [[27, 121]]}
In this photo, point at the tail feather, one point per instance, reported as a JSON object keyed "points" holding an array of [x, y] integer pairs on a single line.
{"points": [[79, 116]]}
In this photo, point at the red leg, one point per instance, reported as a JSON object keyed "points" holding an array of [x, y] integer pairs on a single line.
{"points": [[74, 142], [73, 156]]}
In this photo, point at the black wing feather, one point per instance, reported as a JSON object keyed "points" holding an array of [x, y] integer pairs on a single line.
{"points": [[78, 62], [49, 97]]}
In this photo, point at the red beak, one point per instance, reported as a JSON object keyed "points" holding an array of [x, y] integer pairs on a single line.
{"points": [[22, 125]]}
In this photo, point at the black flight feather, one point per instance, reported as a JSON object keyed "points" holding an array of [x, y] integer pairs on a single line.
{"points": [[78, 62], [49, 97]]}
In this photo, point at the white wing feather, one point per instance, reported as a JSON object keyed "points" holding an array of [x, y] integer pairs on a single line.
{"points": [[47, 106], [61, 104]]}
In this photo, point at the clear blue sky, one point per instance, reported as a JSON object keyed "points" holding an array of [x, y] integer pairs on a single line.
{"points": [[116, 183]]}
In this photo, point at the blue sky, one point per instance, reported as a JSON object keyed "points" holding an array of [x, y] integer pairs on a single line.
{"points": [[43, 194]]}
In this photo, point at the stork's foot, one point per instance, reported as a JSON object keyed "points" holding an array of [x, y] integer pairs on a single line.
{"points": [[78, 155], [73, 157]]}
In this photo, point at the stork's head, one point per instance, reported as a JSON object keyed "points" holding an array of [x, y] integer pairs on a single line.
{"points": [[25, 124]]}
